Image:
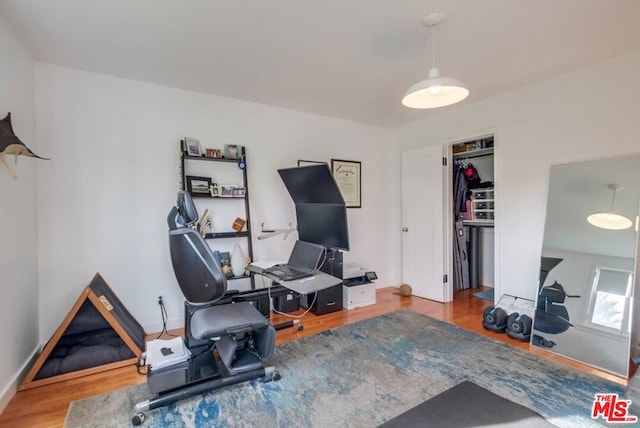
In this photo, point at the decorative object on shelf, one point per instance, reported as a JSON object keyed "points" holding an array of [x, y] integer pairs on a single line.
{"points": [[232, 151], [238, 261], [226, 190], [239, 192], [302, 162], [10, 144], [206, 226], [198, 185], [213, 153], [238, 224], [347, 176], [435, 91], [224, 258], [214, 190], [192, 146]]}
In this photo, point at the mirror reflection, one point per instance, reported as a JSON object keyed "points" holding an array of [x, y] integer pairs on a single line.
{"points": [[585, 294]]}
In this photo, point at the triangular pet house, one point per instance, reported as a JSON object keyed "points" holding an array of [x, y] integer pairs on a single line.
{"points": [[97, 334]]}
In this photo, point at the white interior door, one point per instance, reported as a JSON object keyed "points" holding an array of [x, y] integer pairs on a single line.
{"points": [[424, 258]]}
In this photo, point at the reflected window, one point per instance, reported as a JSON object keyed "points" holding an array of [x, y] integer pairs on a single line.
{"points": [[608, 304]]}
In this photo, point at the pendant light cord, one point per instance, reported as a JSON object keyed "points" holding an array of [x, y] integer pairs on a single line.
{"points": [[613, 199], [433, 46]]}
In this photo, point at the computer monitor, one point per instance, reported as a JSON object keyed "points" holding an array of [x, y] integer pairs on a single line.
{"points": [[324, 224], [320, 209]]}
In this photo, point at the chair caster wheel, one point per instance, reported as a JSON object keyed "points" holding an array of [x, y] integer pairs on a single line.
{"points": [[138, 418], [276, 376], [300, 327]]}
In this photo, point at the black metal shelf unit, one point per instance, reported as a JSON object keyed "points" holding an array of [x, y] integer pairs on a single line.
{"points": [[224, 235]]}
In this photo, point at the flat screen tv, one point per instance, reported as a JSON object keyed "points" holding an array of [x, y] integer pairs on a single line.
{"points": [[320, 210]]}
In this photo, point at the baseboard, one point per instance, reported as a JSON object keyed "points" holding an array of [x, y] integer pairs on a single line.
{"points": [[10, 390]]}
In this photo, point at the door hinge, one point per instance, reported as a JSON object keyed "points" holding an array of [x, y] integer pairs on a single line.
{"points": [[444, 161], [445, 278]]}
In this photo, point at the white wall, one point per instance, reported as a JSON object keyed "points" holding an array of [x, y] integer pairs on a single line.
{"points": [[104, 197], [585, 114], [18, 251]]}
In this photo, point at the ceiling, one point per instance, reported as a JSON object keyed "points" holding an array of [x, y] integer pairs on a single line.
{"points": [[348, 59]]}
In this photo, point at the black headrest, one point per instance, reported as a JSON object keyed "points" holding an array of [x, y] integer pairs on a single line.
{"points": [[186, 208]]}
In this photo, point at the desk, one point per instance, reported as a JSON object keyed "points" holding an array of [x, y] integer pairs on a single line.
{"points": [[317, 282]]}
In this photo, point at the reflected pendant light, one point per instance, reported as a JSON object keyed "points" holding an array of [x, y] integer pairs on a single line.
{"points": [[436, 91], [610, 220]]}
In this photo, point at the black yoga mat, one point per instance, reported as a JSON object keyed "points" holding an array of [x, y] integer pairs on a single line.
{"points": [[468, 405]]}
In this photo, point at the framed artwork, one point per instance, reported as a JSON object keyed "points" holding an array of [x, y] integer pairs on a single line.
{"points": [[348, 178], [192, 146], [214, 190], [226, 190], [198, 185], [302, 162], [232, 151]]}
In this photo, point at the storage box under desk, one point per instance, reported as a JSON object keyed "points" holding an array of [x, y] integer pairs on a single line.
{"points": [[355, 296]]}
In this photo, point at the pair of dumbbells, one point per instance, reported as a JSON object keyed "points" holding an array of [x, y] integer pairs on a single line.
{"points": [[517, 326]]}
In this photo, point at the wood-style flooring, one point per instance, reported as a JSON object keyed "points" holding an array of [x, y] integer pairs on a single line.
{"points": [[47, 406]]}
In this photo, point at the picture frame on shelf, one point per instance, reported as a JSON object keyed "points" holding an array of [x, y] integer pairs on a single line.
{"points": [[232, 151], [348, 178], [214, 190], [198, 185], [226, 190], [213, 153], [192, 146]]}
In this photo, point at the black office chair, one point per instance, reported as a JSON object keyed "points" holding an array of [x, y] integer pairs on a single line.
{"points": [[239, 333]]}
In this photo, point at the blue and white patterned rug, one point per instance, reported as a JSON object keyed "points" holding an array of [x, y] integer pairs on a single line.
{"points": [[363, 374]]}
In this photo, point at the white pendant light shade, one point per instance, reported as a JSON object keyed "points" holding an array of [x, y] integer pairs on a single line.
{"points": [[610, 220], [435, 91]]}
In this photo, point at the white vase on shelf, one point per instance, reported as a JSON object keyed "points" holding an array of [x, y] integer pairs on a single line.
{"points": [[238, 261]]}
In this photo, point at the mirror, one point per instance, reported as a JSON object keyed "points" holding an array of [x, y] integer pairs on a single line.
{"points": [[585, 291]]}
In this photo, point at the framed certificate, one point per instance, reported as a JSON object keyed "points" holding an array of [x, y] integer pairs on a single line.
{"points": [[347, 176]]}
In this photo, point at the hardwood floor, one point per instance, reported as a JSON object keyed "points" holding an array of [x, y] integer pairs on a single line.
{"points": [[47, 406]]}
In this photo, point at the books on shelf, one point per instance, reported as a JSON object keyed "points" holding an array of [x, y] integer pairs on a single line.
{"points": [[163, 353]]}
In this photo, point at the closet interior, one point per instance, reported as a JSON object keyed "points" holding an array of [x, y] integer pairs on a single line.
{"points": [[474, 213]]}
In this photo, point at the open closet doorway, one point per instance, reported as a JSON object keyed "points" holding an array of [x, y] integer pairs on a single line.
{"points": [[473, 216]]}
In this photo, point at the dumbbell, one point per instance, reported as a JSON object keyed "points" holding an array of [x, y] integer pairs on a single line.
{"points": [[519, 326], [494, 319]]}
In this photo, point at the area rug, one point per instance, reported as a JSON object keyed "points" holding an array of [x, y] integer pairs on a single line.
{"points": [[366, 373], [486, 294]]}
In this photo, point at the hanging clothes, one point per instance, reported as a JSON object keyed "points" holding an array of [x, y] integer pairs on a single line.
{"points": [[460, 190]]}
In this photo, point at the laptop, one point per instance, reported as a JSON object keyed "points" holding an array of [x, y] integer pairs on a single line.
{"points": [[303, 262]]}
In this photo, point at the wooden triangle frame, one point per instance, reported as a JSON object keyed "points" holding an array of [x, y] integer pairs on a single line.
{"points": [[104, 306]]}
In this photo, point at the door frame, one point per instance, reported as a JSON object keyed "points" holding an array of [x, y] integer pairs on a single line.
{"points": [[448, 206]]}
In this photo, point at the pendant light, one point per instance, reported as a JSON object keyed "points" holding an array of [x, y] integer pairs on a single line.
{"points": [[610, 220], [436, 91]]}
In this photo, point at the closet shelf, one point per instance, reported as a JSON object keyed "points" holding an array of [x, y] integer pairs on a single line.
{"points": [[473, 154]]}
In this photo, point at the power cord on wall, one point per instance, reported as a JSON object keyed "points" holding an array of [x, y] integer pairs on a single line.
{"points": [[163, 313]]}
